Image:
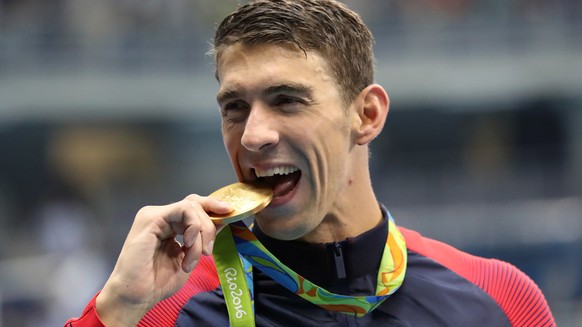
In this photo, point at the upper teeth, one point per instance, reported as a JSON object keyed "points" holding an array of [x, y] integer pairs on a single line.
{"points": [[276, 171]]}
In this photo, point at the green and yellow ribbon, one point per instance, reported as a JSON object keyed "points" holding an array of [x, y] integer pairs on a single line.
{"points": [[237, 246]]}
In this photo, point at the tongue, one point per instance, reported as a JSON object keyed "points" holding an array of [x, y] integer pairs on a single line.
{"points": [[283, 184]]}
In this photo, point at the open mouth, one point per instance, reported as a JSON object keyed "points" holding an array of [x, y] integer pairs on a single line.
{"points": [[281, 179]]}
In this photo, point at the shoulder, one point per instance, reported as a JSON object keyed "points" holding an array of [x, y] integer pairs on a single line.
{"points": [[202, 279], [514, 292]]}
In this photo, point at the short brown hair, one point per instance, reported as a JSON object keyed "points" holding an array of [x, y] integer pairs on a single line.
{"points": [[327, 27]]}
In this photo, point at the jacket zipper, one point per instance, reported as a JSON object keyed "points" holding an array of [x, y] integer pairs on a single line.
{"points": [[338, 256], [340, 269]]}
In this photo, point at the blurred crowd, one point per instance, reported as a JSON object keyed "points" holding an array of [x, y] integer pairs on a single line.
{"points": [[107, 105], [128, 34]]}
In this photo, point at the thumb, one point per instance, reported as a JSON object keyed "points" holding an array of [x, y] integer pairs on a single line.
{"points": [[218, 206]]}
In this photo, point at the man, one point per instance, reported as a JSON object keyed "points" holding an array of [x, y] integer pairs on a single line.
{"points": [[299, 109]]}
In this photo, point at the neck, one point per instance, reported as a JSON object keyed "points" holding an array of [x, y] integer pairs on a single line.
{"points": [[354, 212]]}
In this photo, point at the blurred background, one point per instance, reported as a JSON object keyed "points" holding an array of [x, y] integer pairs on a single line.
{"points": [[108, 105]]}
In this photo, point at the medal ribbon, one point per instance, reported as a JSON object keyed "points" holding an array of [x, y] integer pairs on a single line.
{"points": [[390, 276], [235, 276]]}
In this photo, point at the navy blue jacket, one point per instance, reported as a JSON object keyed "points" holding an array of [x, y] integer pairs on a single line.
{"points": [[443, 287]]}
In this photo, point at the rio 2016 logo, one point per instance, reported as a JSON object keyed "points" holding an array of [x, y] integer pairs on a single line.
{"points": [[235, 292]]}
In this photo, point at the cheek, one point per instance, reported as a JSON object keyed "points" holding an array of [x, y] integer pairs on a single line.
{"points": [[231, 143], [232, 146]]}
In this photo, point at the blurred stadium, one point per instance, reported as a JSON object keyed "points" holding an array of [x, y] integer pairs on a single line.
{"points": [[108, 105]]}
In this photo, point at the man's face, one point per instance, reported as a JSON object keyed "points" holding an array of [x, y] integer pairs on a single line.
{"points": [[284, 124]]}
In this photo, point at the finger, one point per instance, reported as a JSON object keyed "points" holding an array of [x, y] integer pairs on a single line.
{"points": [[207, 227], [203, 228], [186, 218], [192, 220], [210, 204], [189, 218], [192, 255], [162, 221], [208, 234]]}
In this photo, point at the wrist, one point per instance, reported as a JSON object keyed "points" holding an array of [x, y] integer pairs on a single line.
{"points": [[114, 311]]}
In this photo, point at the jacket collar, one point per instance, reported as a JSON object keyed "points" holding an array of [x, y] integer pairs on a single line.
{"points": [[318, 262]]}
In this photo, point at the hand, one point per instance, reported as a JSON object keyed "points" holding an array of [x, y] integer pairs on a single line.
{"points": [[152, 264]]}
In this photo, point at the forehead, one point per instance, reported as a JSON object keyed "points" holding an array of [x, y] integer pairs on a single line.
{"points": [[243, 63]]}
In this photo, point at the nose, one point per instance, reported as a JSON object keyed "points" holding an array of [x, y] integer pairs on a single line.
{"points": [[260, 130]]}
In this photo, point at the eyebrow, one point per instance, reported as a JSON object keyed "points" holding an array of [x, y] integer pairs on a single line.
{"points": [[227, 94], [296, 89]]}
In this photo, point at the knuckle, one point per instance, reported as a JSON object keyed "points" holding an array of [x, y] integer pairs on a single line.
{"points": [[146, 213], [193, 197], [210, 228], [195, 224], [194, 201]]}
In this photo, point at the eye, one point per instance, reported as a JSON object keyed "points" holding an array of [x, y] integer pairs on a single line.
{"points": [[285, 100], [233, 106], [234, 110]]}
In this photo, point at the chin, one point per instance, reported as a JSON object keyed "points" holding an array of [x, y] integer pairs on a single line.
{"points": [[279, 230]]}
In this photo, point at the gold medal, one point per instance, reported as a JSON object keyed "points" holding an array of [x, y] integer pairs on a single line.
{"points": [[245, 199]]}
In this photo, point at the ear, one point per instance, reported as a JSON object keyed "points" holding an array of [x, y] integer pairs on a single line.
{"points": [[372, 110]]}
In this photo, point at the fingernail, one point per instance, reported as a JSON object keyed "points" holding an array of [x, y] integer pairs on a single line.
{"points": [[192, 265], [209, 247], [225, 204]]}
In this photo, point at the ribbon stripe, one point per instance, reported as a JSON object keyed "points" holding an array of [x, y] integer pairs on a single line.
{"points": [[240, 241]]}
